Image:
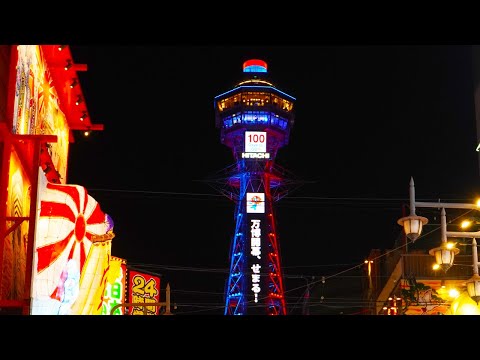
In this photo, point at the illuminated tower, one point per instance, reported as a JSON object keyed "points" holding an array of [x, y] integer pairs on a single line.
{"points": [[255, 120]]}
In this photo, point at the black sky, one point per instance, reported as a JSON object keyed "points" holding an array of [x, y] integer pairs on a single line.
{"points": [[367, 119]]}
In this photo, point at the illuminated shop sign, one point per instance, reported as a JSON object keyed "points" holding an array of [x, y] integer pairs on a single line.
{"points": [[115, 289], [255, 155], [256, 203], [255, 145], [37, 106], [256, 252], [144, 289]]}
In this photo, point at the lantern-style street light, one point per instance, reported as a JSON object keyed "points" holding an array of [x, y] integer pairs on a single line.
{"points": [[473, 284], [412, 224], [445, 253]]}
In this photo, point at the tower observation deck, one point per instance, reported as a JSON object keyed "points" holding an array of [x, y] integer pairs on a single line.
{"points": [[255, 119]]}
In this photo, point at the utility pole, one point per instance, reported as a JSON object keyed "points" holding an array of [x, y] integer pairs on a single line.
{"points": [[306, 298], [167, 301]]}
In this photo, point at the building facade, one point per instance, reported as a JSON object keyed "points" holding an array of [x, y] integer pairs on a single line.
{"points": [[54, 236]]}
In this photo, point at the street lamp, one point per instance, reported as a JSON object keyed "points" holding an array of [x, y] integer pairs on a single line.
{"points": [[445, 253], [413, 223], [473, 284]]}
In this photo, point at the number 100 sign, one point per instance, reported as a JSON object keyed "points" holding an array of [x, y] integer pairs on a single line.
{"points": [[256, 141]]}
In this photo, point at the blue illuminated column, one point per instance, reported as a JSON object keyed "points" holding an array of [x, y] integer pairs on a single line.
{"points": [[255, 119]]}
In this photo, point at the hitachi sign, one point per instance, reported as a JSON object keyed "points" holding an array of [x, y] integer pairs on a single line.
{"points": [[255, 155]]}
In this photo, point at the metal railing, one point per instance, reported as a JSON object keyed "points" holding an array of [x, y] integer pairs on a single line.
{"points": [[420, 265]]}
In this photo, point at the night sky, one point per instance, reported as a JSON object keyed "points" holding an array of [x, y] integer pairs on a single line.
{"points": [[367, 118]]}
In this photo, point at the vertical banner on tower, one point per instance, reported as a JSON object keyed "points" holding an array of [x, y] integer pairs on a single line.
{"points": [[256, 253], [143, 289]]}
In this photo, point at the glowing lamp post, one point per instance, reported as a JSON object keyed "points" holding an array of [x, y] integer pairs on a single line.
{"points": [[473, 284], [412, 224], [445, 253], [444, 256]]}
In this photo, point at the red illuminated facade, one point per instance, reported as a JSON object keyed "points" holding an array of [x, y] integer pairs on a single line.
{"points": [[41, 104]]}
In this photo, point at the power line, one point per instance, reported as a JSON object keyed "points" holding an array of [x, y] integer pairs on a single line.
{"points": [[287, 197], [155, 192]]}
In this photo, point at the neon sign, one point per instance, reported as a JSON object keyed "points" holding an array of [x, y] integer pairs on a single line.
{"points": [[144, 288], [256, 251], [255, 145]]}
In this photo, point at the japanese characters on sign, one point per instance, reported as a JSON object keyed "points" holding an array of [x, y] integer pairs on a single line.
{"points": [[115, 287], [256, 252], [144, 289]]}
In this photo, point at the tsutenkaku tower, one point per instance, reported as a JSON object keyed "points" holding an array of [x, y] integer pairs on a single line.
{"points": [[255, 119]]}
